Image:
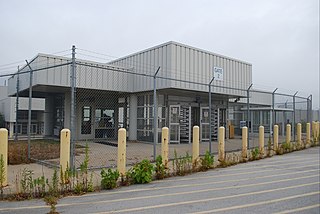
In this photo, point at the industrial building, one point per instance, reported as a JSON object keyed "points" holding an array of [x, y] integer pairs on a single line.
{"points": [[120, 93]]}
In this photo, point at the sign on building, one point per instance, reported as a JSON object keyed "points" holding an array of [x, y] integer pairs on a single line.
{"points": [[218, 73]]}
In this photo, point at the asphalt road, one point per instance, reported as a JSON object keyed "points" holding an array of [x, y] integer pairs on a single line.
{"points": [[282, 184]]}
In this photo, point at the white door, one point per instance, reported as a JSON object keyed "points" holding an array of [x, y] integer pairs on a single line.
{"points": [[174, 123]]}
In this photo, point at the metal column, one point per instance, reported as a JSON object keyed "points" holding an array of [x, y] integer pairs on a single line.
{"points": [[155, 115], [72, 107], [294, 116], [29, 108], [210, 129], [248, 114], [17, 108]]}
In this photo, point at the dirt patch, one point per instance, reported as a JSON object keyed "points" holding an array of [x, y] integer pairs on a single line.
{"points": [[39, 149]]}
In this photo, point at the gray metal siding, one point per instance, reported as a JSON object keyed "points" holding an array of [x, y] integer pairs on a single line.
{"points": [[186, 63], [146, 63], [237, 74], [177, 61]]}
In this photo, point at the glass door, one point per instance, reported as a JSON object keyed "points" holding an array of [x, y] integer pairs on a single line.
{"points": [[204, 124], [174, 123]]}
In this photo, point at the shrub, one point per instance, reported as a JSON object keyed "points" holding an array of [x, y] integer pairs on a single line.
{"points": [[142, 172], [109, 178], [207, 161], [159, 168]]}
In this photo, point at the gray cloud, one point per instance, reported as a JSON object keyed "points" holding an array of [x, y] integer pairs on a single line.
{"points": [[279, 37]]}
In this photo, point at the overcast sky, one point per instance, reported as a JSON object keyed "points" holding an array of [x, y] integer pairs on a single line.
{"points": [[280, 38]]}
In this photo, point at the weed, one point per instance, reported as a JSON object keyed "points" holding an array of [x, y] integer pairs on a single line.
{"points": [[279, 150], [255, 153], [2, 175], [52, 202], [54, 185], [26, 183], [126, 179], [84, 169], [109, 178], [207, 161], [224, 164], [269, 147], [39, 187], [142, 172], [287, 147], [182, 165], [159, 168], [66, 179]]}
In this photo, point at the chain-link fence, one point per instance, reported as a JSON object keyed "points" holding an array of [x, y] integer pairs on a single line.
{"points": [[94, 100]]}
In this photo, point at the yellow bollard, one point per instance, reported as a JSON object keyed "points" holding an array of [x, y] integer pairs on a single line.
{"points": [[275, 137], [122, 142], [288, 134], [221, 133], [4, 154], [308, 133], [261, 141], [244, 142], [299, 134], [195, 145], [64, 149], [165, 146]]}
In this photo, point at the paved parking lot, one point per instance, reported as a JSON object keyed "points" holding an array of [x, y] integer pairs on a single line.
{"points": [[281, 184]]}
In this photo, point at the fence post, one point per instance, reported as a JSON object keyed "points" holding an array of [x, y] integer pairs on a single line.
{"points": [[17, 107], [299, 134], [4, 153], [122, 142], [165, 146], [64, 149], [244, 142], [275, 137], [29, 108], [288, 134], [308, 133], [155, 115], [221, 154], [195, 145], [72, 105], [261, 140], [210, 117]]}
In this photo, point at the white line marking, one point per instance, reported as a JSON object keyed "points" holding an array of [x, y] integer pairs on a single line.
{"points": [[197, 178], [299, 209], [259, 203], [214, 199]]}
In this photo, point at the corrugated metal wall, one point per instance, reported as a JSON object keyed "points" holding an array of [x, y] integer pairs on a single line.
{"points": [[186, 63], [177, 61]]}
